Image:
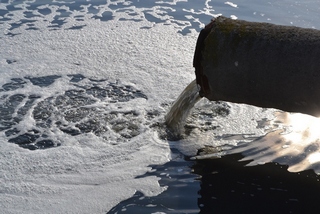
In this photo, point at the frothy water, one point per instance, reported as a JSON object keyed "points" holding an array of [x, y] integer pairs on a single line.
{"points": [[289, 138], [86, 106], [85, 86], [176, 117]]}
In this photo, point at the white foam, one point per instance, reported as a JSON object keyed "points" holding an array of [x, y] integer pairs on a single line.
{"points": [[90, 173], [231, 4], [86, 174], [240, 125]]}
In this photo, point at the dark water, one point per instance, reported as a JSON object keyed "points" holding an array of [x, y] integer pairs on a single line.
{"points": [[180, 196], [225, 185]]}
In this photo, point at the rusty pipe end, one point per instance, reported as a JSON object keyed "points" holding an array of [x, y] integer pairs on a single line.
{"points": [[202, 79]]}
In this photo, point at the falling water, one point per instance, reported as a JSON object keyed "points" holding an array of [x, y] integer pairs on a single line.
{"points": [[176, 117]]}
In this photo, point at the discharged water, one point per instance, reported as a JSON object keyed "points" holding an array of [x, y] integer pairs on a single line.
{"points": [[176, 117]]}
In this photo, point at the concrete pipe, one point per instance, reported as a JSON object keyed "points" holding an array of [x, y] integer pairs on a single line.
{"points": [[260, 64]]}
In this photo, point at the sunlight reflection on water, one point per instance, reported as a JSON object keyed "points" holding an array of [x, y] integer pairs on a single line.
{"points": [[293, 140]]}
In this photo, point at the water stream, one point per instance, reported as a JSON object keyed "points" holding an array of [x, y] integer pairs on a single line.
{"points": [[176, 117]]}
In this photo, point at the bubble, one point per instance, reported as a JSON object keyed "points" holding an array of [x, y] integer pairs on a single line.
{"points": [[79, 109]]}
